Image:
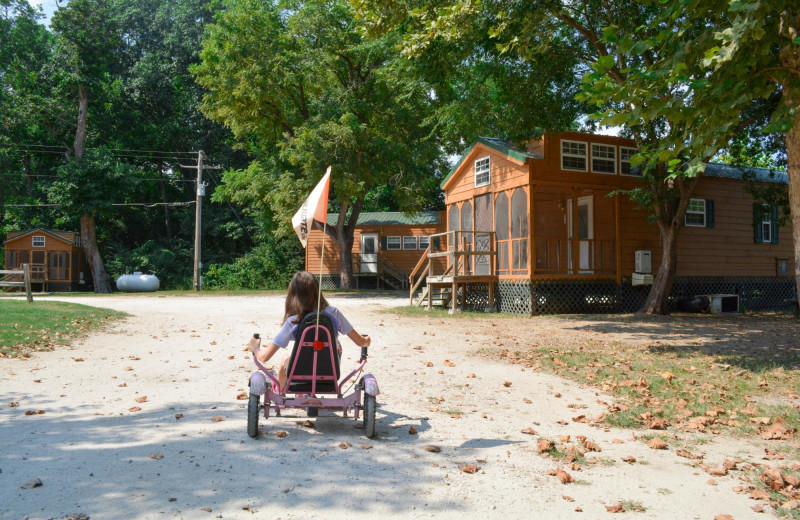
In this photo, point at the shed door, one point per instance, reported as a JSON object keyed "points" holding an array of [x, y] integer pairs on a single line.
{"points": [[483, 222], [369, 253]]}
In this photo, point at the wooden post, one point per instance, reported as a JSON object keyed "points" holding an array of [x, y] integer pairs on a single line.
{"points": [[430, 286], [618, 240], [26, 274], [454, 298]]}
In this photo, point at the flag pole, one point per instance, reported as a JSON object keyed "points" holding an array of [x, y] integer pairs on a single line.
{"points": [[321, 263]]}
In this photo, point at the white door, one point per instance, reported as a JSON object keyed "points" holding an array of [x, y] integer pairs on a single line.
{"points": [[585, 218], [369, 253]]}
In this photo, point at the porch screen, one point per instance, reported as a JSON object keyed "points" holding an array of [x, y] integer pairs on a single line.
{"points": [[11, 259], [453, 223], [58, 265], [519, 232], [501, 228], [466, 238]]}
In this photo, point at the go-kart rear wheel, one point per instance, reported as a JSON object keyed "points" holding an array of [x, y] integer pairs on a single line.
{"points": [[312, 411], [369, 415], [252, 415]]}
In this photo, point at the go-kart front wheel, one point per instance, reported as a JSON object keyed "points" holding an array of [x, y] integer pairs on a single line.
{"points": [[369, 415], [252, 415]]}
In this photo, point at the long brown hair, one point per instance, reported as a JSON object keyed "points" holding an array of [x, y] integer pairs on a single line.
{"points": [[302, 296]]}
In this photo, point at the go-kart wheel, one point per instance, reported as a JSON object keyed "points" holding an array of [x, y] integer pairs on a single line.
{"points": [[369, 415], [252, 415], [312, 411]]}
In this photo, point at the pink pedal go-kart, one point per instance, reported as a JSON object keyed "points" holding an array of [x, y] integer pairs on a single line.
{"points": [[313, 379]]}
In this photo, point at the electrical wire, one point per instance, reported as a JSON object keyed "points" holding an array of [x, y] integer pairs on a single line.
{"points": [[144, 204]]}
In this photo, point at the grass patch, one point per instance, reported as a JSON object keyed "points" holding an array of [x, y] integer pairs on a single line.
{"points": [[41, 325], [633, 505]]}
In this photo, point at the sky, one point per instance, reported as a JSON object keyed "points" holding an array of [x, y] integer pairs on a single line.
{"points": [[49, 6]]}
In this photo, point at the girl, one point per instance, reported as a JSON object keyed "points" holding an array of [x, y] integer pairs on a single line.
{"points": [[300, 300]]}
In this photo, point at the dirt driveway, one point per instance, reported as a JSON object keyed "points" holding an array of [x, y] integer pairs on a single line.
{"points": [[142, 421]]}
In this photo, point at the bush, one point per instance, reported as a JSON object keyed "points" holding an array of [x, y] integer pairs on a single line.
{"points": [[172, 264], [267, 266]]}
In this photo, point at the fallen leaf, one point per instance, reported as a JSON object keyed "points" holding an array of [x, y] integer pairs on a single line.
{"points": [[668, 376], [449, 363], [791, 505], [469, 468], [343, 445], [217, 419], [657, 443], [717, 471], [307, 423], [206, 509], [528, 431], [77, 359], [281, 434], [34, 412], [366, 446], [142, 399], [564, 477], [568, 498], [127, 369], [545, 445], [759, 494], [773, 479], [13, 404], [135, 409], [591, 446], [156, 456], [684, 453], [616, 508], [507, 383], [657, 423], [37, 482], [432, 448], [629, 459], [412, 430], [242, 397], [178, 416], [723, 517], [471, 376]]}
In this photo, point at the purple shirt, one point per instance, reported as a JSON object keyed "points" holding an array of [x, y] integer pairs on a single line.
{"points": [[288, 329]]}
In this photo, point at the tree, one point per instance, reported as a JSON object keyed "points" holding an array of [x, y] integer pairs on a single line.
{"points": [[582, 37], [302, 88], [88, 40], [717, 66]]}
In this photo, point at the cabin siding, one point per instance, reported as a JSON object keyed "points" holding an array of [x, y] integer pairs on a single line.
{"points": [[56, 242], [505, 174]]}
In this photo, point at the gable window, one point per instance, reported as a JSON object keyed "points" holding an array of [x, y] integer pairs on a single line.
{"points": [[482, 171], [410, 243], [393, 243], [696, 213], [625, 167], [765, 223], [77, 241], [38, 241], [573, 155], [604, 159]]}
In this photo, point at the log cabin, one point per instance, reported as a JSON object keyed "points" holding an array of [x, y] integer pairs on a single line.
{"points": [[56, 258], [543, 229], [386, 247]]}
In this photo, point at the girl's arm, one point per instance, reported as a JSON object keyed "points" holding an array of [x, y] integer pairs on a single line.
{"points": [[358, 339], [262, 355]]}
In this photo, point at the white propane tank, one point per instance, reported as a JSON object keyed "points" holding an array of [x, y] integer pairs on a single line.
{"points": [[137, 282]]}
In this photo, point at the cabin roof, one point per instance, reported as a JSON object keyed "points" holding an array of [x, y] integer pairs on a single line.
{"points": [[391, 218], [494, 143], [727, 171], [17, 234]]}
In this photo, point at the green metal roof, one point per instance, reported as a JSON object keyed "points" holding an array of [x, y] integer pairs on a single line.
{"points": [[391, 218], [727, 171], [495, 144]]}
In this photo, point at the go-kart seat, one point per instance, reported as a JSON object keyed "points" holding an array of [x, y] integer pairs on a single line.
{"points": [[312, 342]]}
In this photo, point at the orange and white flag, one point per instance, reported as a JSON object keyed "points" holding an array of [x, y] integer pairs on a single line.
{"points": [[314, 208]]}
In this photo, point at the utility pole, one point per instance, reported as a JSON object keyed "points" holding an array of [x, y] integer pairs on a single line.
{"points": [[201, 191]]}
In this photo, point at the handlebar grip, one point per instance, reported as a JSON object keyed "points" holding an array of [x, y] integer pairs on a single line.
{"points": [[364, 352], [257, 335]]}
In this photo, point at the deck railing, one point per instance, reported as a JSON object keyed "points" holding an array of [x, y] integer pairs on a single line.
{"points": [[574, 256], [18, 278]]}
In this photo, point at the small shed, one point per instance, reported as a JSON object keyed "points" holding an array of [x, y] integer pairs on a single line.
{"points": [[56, 259]]}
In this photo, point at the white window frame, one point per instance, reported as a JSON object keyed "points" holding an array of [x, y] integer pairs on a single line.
{"points": [[77, 241], [394, 243], [612, 160], [622, 161], [36, 242], [405, 238], [427, 242], [690, 211], [585, 155], [766, 224], [483, 171]]}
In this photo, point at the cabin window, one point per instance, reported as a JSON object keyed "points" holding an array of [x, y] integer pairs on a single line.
{"points": [[453, 221], [696, 213], [604, 159], [765, 223], [573, 155], [782, 266], [77, 241], [11, 259], [393, 243], [501, 228], [410, 243], [519, 231], [38, 241], [424, 242], [625, 168], [482, 171]]}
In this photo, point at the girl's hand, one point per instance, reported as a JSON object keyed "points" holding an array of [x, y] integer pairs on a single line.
{"points": [[253, 345], [367, 341]]}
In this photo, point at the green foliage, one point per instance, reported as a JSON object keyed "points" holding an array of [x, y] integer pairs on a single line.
{"points": [[171, 262], [267, 266]]}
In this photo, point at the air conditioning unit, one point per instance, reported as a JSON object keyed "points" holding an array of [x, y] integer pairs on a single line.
{"points": [[643, 261], [641, 279]]}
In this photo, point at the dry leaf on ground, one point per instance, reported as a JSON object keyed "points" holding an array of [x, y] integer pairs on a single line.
{"points": [[528, 431], [142, 399], [616, 508], [412, 430], [657, 443], [469, 468], [217, 419], [564, 477]]}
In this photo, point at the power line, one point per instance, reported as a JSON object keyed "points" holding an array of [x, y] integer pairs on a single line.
{"points": [[135, 179], [144, 204]]}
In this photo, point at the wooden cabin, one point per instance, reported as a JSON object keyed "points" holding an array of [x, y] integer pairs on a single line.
{"points": [[541, 229], [55, 257], [386, 248]]}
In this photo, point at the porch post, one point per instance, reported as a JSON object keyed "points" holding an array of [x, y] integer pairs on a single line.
{"points": [[617, 241], [576, 243]]}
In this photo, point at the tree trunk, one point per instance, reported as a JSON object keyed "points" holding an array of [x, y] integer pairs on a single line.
{"points": [[670, 220], [102, 284], [342, 234], [80, 132], [790, 59]]}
